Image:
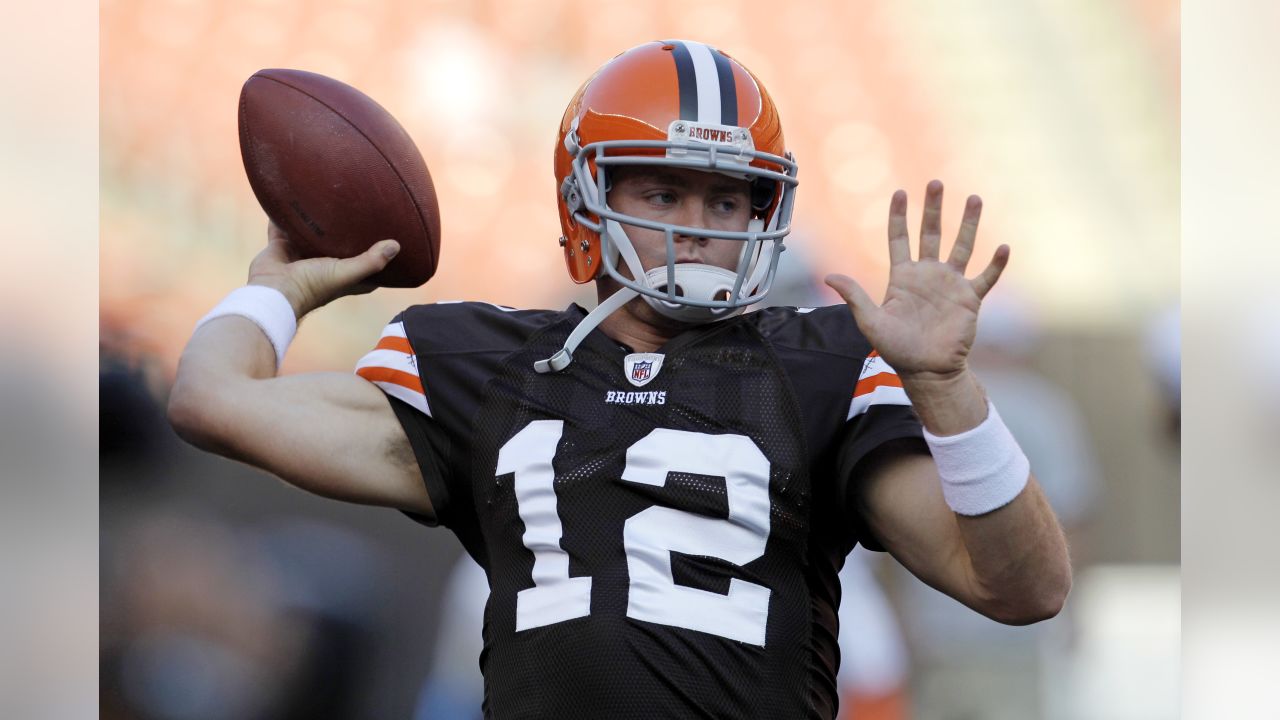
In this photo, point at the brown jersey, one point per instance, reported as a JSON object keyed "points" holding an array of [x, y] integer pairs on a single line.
{"points": [[662, 532]]}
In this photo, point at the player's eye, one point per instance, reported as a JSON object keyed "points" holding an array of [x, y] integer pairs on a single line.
{"points": [[726, 205], [662, 197]]}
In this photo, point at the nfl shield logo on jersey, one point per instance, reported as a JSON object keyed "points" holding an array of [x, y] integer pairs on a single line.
{"points": [[640, 371], [642, 367]]}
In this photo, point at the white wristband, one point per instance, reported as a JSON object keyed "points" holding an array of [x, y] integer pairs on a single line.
{"points": [[981, 469], [267, 308]]}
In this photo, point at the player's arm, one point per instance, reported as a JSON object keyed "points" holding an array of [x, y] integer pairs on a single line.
{"points": [[1010, 564], [333, 434], [969, 520]]}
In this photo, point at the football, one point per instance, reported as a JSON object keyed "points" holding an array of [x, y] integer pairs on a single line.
{"points": [[336, 171]]}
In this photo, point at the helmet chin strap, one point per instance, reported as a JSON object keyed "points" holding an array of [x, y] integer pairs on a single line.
{"points": [[622, 244], [764, 255], [564, 355]]}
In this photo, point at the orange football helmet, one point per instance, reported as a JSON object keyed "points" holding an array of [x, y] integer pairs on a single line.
{"points": [[676, 103], [679, 104]]}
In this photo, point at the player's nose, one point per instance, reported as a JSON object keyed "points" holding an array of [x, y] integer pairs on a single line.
{"points": [[695, 216], [690, 237]]}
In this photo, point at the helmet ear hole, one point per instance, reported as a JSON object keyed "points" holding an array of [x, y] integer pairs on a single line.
{"points": [[762, 194]]}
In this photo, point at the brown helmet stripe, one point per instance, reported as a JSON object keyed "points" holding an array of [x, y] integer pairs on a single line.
{"points": [[728, 89], [687, 79]]}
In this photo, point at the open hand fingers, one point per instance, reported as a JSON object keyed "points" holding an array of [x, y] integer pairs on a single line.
{"points": [[931, 221], [899, 241], [987, 280], [963, 249]]}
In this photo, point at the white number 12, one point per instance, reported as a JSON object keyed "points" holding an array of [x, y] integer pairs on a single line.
{"points": [[650, 536]]}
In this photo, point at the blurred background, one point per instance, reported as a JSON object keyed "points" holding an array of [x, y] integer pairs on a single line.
{"points": [[226, 594]]}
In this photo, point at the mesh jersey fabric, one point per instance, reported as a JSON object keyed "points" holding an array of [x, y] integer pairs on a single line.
{"points": [[781, 378]]}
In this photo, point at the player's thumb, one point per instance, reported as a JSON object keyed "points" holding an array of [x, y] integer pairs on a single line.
{"points": [[353, 270], [852, 293]]}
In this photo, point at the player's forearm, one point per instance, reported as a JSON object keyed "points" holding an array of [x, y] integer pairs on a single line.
{"points": [[221, 361], [230, 346], [1020, 569]]}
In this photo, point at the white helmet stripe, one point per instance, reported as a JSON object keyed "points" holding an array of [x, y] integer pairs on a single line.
{"points": [[705, 79], [704, 69]]}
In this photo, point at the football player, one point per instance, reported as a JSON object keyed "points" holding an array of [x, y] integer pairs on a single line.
{"points": [[661, 490]]}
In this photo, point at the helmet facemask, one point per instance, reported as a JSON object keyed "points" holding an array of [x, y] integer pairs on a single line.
{"points": [[687, 292]]}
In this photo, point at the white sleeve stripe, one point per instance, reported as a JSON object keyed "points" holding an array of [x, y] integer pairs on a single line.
{"points": [[395, 329], [883, 395], [874, 366], [400, 392], [392, 359]]}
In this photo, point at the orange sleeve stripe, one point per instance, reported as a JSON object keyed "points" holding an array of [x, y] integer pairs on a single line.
{"points": [[883, 379], [391, 342], [395, 377], [873, 353]]}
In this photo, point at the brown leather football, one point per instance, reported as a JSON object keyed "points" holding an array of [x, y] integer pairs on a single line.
{"points": [[333, 169]]}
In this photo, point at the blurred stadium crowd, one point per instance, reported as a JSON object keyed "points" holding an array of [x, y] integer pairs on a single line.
{"points": [[225, 594]]}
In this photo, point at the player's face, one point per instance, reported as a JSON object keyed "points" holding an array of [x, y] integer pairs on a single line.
{"points": [[679, 196]]}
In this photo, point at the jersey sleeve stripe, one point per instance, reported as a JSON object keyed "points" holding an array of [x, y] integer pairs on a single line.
{"points": [[392, 342], [878, 384], [875, 365], [395, 329], [416, 400], [389, 359], [391, 366], [882, 395], [869, 384], [385, 375], [388, 375]]}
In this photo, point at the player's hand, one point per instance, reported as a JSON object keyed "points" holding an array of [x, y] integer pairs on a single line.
{"points": [[314, 282], [926, 324]]}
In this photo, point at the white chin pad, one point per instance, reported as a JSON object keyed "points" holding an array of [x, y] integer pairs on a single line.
{"points": [[694, 281]]}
